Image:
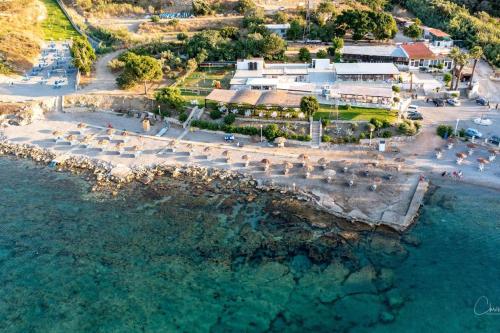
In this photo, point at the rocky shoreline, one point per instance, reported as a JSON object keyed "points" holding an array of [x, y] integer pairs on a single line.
{"points": [[100, 173]]}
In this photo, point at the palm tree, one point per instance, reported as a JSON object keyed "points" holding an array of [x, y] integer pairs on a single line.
{"points": [[454, 55], [475, 53], [462, 60]]}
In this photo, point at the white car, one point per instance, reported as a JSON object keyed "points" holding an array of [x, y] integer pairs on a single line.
{"points": [[483, 121], [412, 108]]}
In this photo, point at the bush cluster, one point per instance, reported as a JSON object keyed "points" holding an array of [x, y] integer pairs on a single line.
{"points": [[444, 131]]}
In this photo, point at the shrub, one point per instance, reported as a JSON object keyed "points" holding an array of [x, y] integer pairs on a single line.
{"points": [[326, 138], [386, 134], [377, 123], [417, 125], [461, 133], [321, 54], [396, 99], [325, 122], [215, 114], [304, 54], [182, 36], [362, 136], [116, 65], [354, 127], [155, 19], [444, 131], [170, 96], [183, 117], [271, 132], [396, 89], [230, 119]]}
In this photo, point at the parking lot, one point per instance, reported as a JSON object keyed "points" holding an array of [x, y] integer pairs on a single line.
{"points": [[53, 74]]}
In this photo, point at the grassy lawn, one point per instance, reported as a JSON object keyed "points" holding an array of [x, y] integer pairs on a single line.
{"points": [[355, 113], [188, 97], [56, 26], [204, 78]]}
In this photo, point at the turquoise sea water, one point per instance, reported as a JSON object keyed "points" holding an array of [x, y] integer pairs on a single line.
{"points": [[177, 258]]}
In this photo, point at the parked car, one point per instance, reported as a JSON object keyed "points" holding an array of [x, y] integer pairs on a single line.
{"points": [[483, 121], [229, 138], [412, 107], [438, 101], [481, 101], [415, 116], [494, 139], [453, 102], [473, 133]]}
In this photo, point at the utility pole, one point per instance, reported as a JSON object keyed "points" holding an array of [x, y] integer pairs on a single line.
{"points": [[307, 28]]}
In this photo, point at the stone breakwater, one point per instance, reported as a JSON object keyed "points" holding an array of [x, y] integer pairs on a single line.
{"points": [[101, 174]]}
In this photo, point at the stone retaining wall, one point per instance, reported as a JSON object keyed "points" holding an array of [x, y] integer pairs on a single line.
{"points": [[109, 103]]}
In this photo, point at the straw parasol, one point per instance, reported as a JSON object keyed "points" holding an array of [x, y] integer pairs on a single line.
{"points": [[246, 160], [110, 131], [71, 137], [226, 155], [308, 169], [482, 160], [119, 146], [461, 155], [57, 133], [136, 148], [323, 162], [124, 133], [492, 151], [103, 142], [330, 174], [172, 143], [81, 125], [267, 163], [471, 145], [399, 159], [303, 158], [280, 141]]}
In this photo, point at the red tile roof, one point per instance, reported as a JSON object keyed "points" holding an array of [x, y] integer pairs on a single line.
{"points": [[438, 33], [417, 51]]}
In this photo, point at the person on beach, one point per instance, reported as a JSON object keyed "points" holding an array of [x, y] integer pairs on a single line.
{"points": [[109, 125]]}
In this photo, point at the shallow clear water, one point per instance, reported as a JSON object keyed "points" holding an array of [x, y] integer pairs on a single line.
{"points": [[172, 257]]}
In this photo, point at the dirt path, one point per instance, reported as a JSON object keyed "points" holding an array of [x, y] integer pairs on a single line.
{"points": [[103, 80]]}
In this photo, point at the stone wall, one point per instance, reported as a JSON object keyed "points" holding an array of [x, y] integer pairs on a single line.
{"points": [[108, 102]]}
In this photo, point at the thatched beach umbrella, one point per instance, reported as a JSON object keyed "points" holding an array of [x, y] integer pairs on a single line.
{"points": [[103, 142], [119, 146], [58, 134], [460, 157], [482, 162], [308, 169], [322, 162], [81, 125], [287, 166], [266, 163], [71, 137], [226, 156], [206, 150], [280, 141], [492, 154], [450, 143], [330, 174], [438, 152], [124, 133], [110, 131], [303, 158], [470, 148], [246, 160], [345, 166], [376, 182], [146, 125], [190, 148]]}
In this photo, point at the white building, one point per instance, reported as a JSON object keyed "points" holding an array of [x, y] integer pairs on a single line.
{"points": [[278, 29], [371, 82]]}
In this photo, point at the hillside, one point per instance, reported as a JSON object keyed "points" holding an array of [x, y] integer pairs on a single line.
{"points": [[491, 7], [24, 25], [19, 38]]}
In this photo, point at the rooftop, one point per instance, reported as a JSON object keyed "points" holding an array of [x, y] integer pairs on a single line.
{"points": [[438, 33], [366, 68], [256, 97], [417, 50], [374, 50], [277, 26]]}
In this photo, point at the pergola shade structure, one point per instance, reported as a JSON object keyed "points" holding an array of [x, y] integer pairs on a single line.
{"points": [[274, 98]]}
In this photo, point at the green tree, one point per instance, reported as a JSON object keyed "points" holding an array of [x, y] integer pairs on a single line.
{"points": [[447, 79], [140, 69], [245, 5], [170, 96], [413, 31], [83, 55], [337, 45], [201, 56], [280, 17], [454, 55], [273, 47], [271, 132], [385, 27], [462, 60], [475, 53], [309, 105], [201, 7], [304, 54], [321, 54], [296, 30]]}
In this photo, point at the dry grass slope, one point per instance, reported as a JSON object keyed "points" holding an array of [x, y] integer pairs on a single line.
{"points": [[19, 37]]}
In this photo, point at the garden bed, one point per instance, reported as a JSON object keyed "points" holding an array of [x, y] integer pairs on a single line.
{"points": [[354, 113]]}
